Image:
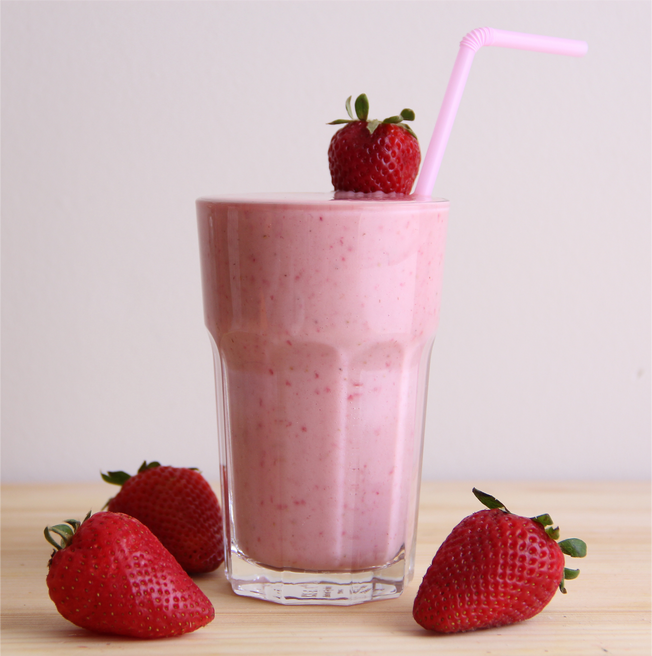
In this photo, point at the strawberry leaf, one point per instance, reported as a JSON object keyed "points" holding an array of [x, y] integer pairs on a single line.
{"points": [[120, 477], [115, 477], [568, 575], [75, 523], [544, 520], [145, 466], [489, 501], [553, 533], [64, 531], [57, 545], [348, 108], [407, 115], [362, 107], [573, 547]]}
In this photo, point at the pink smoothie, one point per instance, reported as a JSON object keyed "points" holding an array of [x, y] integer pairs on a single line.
{"points": [[323, 313]]}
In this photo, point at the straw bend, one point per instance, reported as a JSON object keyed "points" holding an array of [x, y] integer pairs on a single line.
{"points": [[483, 36], [488, 36], [470, 44]]}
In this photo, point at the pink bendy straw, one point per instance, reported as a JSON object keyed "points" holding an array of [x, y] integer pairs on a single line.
{"points": [[470, 44]]}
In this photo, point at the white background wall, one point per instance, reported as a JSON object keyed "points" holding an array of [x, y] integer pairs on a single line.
{"points": [[117, 115]]}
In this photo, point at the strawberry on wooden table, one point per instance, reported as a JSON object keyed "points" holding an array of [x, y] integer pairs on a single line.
{"points": [[369, 156], [495, 568], [110, 574], [179, 506]]}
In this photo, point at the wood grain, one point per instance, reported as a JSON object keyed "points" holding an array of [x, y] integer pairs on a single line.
{"points": [[606, 611]]}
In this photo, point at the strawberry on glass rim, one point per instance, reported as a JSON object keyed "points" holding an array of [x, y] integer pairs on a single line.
{"points": [[367, 156]]}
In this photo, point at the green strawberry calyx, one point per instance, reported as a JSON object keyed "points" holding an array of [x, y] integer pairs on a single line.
{"points": [[362, 114], [64, 532], [573, 547], [120, 477]]}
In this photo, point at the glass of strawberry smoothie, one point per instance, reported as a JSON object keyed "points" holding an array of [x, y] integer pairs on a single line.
{"points": [[322, 311]]}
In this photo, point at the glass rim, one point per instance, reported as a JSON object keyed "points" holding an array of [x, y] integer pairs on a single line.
{"points": [[317, 198]]}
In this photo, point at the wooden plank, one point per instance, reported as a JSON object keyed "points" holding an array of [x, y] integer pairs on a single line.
{"points": [[606, 611]]}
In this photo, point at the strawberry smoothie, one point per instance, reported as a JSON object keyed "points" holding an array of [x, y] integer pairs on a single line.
{"points": [[322, 312]]}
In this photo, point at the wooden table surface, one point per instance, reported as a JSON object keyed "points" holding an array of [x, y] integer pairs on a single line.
{"points": [[606, 610]]}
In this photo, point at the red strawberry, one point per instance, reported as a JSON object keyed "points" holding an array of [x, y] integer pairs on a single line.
{"points": [[110, 574], [495, 568], [179, 506], [369, 156]]}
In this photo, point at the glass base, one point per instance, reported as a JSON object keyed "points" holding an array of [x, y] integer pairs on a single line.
{"points": [[300, 588]]}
